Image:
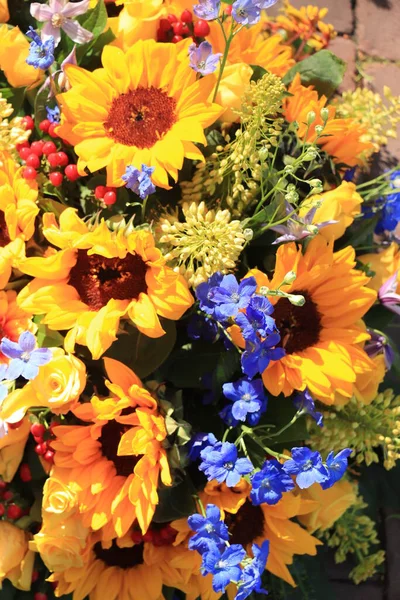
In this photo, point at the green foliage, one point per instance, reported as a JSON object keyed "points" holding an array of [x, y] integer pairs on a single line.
{"points": [[188, 365], [15, 96], [175, 502], [324, 70]]}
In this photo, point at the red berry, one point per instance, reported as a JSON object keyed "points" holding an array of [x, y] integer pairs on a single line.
{"points": [[25, 472], [25, 152], [148, 536], [178, 28], [162, 36], [8, 495], [29, 173], [176, 39], [137, 537], [99, 191], [28, 122], [40, 596], [164, 25], [110, 198], [33, 161], [44, 125], [71, 172], [22, 145], [51, 131], [228, 10], [63, 159], [17, 423], [53, 159], [2, 510], [56, 178], [3, 485], [37, 147], [38, 429], [185, 30], [37, 439], [49, 456], [14, 512], [201, 28], [49, 148], [172, 18], [35, 576], [41, 449], [186, 16]]}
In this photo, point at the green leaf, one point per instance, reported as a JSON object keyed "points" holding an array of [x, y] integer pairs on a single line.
{"points": [[47, 338], [143, 354], [40, 105], [280, 412], [95, 20], [175, 502], [324, 70], [227, 365], [258, 72], [95, 47], [187, 366], [15, 96]]}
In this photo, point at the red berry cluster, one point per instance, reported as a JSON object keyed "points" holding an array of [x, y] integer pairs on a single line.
{"points": [[9, 503], [43, 437], [163, 535], [46, 155], [172, 29], [107, 194]]}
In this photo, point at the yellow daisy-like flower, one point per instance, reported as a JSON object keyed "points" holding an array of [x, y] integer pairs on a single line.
{"points": [[144, 106], [322, 338], [97, 278], [13, 320], [331, 504], [114, 462]]}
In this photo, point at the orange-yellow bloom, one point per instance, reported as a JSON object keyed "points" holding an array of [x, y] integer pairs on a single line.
{"points": [[13, 320], [4, 14], [99, 277], [330, 504], [383, 264], [12, 446], [14, 50], [16, 560]]}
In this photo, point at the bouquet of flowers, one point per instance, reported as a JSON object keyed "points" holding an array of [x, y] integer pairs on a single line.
{"points": [[194, 339]]}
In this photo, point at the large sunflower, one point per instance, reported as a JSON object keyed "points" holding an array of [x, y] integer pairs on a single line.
{"points": [[97, 278], [322, 338], [114, 462], [144, 106]]}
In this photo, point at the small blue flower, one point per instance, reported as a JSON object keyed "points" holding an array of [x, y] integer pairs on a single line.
{"points": [[251, 574], [231, 296], [202, 59], [304, 402], [41, 54], [257, 356], [202, 328], [391, 207], [25, 357], [139, 181], [204, 293], [53, 114], [198, 442], [221, 462], [269, 484], [224, 566], [264, 4], [336, 466], [207, 9], [247, 397], [307, 466], [3, 388], [246, 12], [208, 529], [256, 321]]}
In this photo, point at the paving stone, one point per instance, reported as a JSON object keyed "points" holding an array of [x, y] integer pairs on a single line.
{"points": [[340, 12], [346, 49], [378, 27]]}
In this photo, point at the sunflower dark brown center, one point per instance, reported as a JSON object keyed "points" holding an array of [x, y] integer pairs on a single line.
{"points": [[299, 326], [247, 525], [140, 117], [4, 235], [124, 558], [110, 438], [98, 279]]}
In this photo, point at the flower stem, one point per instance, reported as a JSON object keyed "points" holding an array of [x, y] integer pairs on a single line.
{"points": [[228, 41]]}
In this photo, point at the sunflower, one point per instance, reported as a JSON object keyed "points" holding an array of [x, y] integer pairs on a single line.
{"points": [[322, 338], [114, 461], [144, 106], [13, 320], [97, 278]]}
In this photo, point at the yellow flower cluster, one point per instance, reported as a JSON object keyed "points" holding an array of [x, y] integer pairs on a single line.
{"points": [[12, 131]]}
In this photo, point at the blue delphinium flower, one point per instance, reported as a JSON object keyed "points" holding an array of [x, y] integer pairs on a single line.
{"points": [[202, 328], [202, 59], [336, 466], [198, 442], [247, 397], [41, 54], [269, 484], [304, 402], [246, 12], [208, 529], [257, 320], [257, 356], [204, 293], [231, 296], [139, 180], [53, 114], [224, 566], [25, 357], [307, 466], [391, 206], [221, 462], [251, 574], [3, 388], [207, 9]]}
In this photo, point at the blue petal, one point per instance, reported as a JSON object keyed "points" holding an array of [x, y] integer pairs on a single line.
{"points": [[10, 349], [27, 342], [29, 370], [15, 368], [41, 356]]}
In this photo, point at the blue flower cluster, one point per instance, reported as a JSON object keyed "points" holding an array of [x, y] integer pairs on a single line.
{"points": [[248, 399], [41, 54], [245, 12], [220, 461], [226, 562], [138, 180], [305, 405], [391, 206]]}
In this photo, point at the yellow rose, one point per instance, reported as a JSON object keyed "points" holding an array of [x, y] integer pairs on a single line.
{"points": [[384, 264], [58, 498], [341, 204], [137, 21], [4, 14], [332, 503], [367, 384], [231, 88], [14, 50], [61, 543], [16, 560], [12, 446]]}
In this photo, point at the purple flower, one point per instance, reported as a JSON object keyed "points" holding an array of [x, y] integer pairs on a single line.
{"points": [[41, 54], [230, 296], [139, 181], [379, 344], [269, 484], [202, 60], [257, 356], [388, 295], [207, 9], [307, 466], [256, 321], [224, 566], [25, 357], [221, 462], [246, 12], [57, 15], [304, 402], [208, 529], [247, 397], [198, 442], [251, 574], [204, 293], [53, 114], [297, 228], [336, 466]]}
